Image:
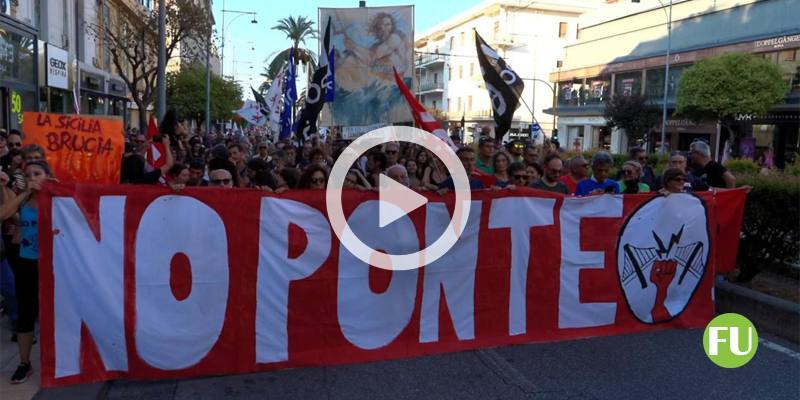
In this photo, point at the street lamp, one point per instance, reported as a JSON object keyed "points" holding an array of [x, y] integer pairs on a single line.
{"points": [[225, 28], [552, 89]]}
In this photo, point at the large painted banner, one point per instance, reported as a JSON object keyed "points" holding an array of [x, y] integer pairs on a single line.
{"points": [[367, 43], [79, 148], [141, 282]]}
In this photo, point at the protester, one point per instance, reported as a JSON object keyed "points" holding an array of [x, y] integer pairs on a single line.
{"points": [[376, 164], [500, 163], [14, 143], [534, 171], [599, 182], [136, 171], [467, 157], [631, 175], [314, 177], [423, 161], [290, 177], [3, 143], [486, 149], [399, 174], [414, 179], [674, 179], [178, 175], [237, 157], [221, 159], [33, 152], [530, 155], [519, 174], [550, 178], [26, 268], [515, 149], [220, 178], [317, 157], [263, 151], [678, 160], [392, 151], [576, 172], [708, 173], [646, 175], [356, 180], [196, 171], [434, 175], [456, 139]]}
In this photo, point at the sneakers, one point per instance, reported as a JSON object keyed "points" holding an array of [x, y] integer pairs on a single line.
{"points": [[24, 370]]}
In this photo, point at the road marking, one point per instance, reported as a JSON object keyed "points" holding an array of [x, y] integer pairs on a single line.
{"points": [[779, 348], [504, 370]]}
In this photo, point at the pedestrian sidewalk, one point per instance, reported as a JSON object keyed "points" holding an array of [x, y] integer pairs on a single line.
{"points": [[9, 359]]}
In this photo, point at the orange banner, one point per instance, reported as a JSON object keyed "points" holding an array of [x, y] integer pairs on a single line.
{"points": [[80, 148]]}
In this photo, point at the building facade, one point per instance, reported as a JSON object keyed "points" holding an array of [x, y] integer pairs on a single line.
{"points": [[530, 37], [622, 50]]}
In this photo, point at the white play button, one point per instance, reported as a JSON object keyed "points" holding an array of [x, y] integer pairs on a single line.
{"points": [[396, 200]]}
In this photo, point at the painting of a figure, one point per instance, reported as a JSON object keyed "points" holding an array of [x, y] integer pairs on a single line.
{"points": [[368, 43]]}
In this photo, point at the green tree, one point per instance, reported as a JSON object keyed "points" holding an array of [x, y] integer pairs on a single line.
{"points": [[720, 88], [297, 30], [633, 114], [131, 43], [186, 92]]}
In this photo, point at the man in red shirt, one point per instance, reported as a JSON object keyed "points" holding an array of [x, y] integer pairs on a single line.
{"points": [[577, 170]]}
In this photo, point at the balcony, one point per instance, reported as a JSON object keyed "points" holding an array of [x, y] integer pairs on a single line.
{"points": [[430, 87], [429, 61]]}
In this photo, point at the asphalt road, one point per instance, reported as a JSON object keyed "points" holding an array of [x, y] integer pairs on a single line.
{"points": [[662, 365]]}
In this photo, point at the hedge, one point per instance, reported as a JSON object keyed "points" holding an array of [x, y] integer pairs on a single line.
{"points": [[769, 237]]}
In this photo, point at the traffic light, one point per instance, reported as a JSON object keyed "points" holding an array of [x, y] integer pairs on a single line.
{"points": [[555, 135]]}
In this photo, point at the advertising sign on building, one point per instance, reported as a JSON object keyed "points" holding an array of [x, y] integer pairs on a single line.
{"points": [[57, 75]]}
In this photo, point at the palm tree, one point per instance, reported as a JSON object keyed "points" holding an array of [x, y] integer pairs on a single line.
{"points": [[297, 30]]}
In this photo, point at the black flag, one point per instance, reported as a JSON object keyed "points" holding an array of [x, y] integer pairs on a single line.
{"points": [[504, 86], [315, 94], [262, 104]]}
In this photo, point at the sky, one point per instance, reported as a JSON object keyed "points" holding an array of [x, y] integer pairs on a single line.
{"points": [[252, 45]]}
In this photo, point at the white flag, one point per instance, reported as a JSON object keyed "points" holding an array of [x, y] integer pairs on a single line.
{"points": [[274, 99]]}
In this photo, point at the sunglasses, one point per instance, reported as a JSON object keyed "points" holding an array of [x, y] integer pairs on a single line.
{"points": [[13, 144], [520, 177], [221, 182]]}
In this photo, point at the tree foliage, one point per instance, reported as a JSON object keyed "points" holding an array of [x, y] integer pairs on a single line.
{"points": [[186, 92], [720, 88], [297, 30], [132, 44], [633, 114]]}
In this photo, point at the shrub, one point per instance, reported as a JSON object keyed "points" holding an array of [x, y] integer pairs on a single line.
{"points": [[769, 237], [793, 169], [742, 166]]}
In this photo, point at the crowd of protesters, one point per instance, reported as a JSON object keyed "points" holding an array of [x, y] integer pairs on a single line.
{"points": [[254, 161]]}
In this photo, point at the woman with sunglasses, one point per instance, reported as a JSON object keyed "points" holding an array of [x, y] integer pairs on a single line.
{"points": [[26, 267], [314, 177], [674, 180], [519, 174], [631, 175]]}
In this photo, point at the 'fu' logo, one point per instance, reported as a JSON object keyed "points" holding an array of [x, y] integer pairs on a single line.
{"points": [[730, 340]]}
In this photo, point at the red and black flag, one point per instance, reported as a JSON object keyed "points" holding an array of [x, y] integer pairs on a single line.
{"points": [[504, 86]]}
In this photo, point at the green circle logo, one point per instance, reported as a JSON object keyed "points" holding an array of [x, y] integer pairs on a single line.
{"points": [[730, 340]]}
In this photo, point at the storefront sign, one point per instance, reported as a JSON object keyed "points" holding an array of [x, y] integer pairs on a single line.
{"points": [[778, 42], [128, 292], [57, 75], [80, 148]]}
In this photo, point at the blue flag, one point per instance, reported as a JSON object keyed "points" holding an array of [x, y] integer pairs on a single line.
{"points": [[289, 98], [329, 82]]}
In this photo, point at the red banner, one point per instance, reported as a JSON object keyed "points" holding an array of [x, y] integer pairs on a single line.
{"points": [[141, 282]]}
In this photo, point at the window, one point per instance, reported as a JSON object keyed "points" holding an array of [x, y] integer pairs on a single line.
{"points": [[562, 29], [628, 83], [449, 73], [435, 78], [460, 72], [570, 92], [654, 83], [469, 103], [471, 69], [599, 89]]}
